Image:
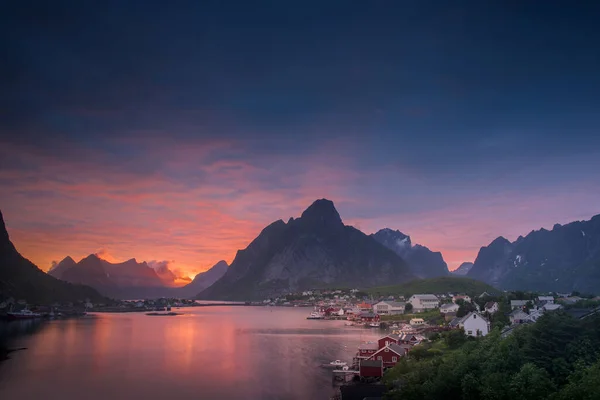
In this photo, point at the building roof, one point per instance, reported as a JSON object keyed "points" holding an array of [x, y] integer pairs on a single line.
{"points": [[391, 336], [518, 303], [371, 363], [546, 298], [515, 312], [489, 304], [454, 322], [470, 315], [417, 319], [393, 347], [425, 297], [552, 307]]}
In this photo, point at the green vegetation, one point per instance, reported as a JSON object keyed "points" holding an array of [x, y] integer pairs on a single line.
{"points": [[435, 285], [557, 358]]}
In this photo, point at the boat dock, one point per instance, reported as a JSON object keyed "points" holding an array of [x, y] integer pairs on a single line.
{"points": [[341, 376]]}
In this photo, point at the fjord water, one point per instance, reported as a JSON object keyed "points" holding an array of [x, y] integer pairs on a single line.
{"points": [[208, 353]]}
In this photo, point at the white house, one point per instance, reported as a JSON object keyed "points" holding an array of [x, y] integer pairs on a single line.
{"points": [[449, 308], [417, 321], [421, 302], [491, 307], [389, 307], [474, 324], [463, 297], [514, 304], [517, 316], [547, 299]]}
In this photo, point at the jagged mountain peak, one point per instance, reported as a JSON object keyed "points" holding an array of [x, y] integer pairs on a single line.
{"points": [[500, 240], [4, 238], [322, 212]]}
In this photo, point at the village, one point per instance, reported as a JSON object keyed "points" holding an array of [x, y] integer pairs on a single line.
{"points": [[404, 322]]}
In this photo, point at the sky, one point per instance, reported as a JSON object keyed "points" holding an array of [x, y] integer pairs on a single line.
{"points": [[175, 131]]}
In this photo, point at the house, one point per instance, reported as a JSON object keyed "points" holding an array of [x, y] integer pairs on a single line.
{"points": [[368, 317], [547, 299], [409, 338], [454, 323], [421, 302], [449, 308], [474, 324], [366, 350], [534, 315], [572, 300], [364, 306], [484, 294], [389, 307], [514, 304], [370, 368], [462, 297], [390, 354], [517, 316], [388, 339], [417, 321], [490, 307]]}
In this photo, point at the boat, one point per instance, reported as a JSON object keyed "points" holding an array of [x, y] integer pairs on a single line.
{"points": [[374, 325], [337, 364], [348, 323], [23, 314], [315, 315], [163, 314]]}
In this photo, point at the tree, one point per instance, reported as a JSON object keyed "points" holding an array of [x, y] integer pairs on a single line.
{"points": [[531, 383], [408, 308]]}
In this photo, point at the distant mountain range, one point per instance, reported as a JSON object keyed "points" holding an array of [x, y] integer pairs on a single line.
{"points": [[315, 250], [463, 269], [423, 262], [132, 279], [21, 279], [567, 258]]}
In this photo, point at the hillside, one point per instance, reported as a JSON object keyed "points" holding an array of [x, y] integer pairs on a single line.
{"points": [[315, 250], [423, 262], [21, 279], [444, 284], [564, 259]]}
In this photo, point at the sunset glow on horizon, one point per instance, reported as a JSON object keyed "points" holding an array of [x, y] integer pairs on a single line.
{"points": [[173, 141]]}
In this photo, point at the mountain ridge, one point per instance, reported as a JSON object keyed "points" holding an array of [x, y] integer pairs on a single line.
{"points": [[316, 249], [21, 279], [423, 262], [566, 258]]}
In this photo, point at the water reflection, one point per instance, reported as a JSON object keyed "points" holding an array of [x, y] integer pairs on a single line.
{"points": [[208, 353]]}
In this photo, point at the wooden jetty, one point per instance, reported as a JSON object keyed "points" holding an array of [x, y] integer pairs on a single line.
{"points": [[343, 376]]}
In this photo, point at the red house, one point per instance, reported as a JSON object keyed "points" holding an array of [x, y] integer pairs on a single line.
{"points": [[388, 339], [390, 354], [368, 317], [366, 350], [371, 368]]}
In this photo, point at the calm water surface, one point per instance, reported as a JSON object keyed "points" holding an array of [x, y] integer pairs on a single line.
{"points": [[208, 353]]}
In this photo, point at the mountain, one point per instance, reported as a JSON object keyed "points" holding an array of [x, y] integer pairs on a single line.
{"points": [[315, 250], [565, 259], [463, 269], [444, 284], [21, 279], [58, 269], [129, 279], [203, 280], [423, 262]]}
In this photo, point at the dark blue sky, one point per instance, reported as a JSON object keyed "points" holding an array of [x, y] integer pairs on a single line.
{"points": [[453, 121]]}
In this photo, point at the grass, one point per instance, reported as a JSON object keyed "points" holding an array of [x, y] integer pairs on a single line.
{"points": [[435, 285]]}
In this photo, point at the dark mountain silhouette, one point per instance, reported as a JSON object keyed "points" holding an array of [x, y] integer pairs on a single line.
{"points": [[423, 262], [564, 259], [21, 279], [203, 280], [463, 269], [58, 269], [315, 250]]}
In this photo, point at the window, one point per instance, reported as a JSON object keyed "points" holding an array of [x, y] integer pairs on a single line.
{"points": [[469, 332], [394, 359], [379, 358], [387, 342], [386, 350]]}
